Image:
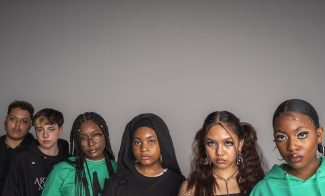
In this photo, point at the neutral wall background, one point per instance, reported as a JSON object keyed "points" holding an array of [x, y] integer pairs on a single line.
{"points": [[180, 60]]}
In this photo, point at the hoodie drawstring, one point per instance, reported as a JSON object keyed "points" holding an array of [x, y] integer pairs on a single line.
{"points": [[289, 185]]}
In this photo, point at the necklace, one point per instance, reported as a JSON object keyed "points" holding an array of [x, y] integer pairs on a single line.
{"points": [[226, 180]]}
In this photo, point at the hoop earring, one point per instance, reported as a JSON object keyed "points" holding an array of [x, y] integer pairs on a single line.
{"points": [[240, 160], [206, 162], [279, 159]]}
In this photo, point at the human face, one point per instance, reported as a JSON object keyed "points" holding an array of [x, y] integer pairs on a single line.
{"points": [[146, 149], [92, 140], [221, 146], [17, 124], [297, 139], [47, 136]]}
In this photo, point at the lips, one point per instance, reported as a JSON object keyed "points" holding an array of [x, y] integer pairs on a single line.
{"points": [[220, 161], [92, 151], [145, 157], [46, 141], [295, 158]]}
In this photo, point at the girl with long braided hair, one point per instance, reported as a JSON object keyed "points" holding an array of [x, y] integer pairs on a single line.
{"points": [[226, 159], [92, 163]]}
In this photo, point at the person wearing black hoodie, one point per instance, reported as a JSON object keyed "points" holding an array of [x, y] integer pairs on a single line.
{"points": [[30, 169], [147, 163], [17, 139]]}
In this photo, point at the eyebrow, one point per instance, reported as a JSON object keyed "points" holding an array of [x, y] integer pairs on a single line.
{"points": [[296, 130], [146, 138], [11, 115], [92, 133], [227, 138]]}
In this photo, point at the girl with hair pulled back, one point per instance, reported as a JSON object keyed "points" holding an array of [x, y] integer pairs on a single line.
{"points": [[226, 159], [298, 136]]}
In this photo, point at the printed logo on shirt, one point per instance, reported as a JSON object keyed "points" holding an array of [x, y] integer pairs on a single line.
{"points": [[40, 181]]}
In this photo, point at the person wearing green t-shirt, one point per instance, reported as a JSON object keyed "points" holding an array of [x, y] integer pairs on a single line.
{"points": [[92, 163]]}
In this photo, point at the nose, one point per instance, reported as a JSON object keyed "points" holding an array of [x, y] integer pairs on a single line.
{"points": [[17, 123], [90, 142], [144, 147], [45, 133], [292, 145], [219, 151]]}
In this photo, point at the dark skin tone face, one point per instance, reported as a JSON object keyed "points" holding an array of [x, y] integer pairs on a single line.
{"points": [[297, 138], [146, 151]]}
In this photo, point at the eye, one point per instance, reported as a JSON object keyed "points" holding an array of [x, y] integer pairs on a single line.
{"points": [[210, 143], [12, 118], [38, 130], [152, 142], [97, 135], [229, 143], [52, 129], [25, 121], [83, 138], [137, 143], [302, 134], [280, 137]]}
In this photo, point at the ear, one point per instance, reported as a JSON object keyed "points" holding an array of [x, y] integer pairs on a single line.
{"points": [[320, 133], [241, 144]]}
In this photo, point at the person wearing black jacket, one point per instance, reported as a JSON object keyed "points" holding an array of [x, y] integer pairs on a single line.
{"points": [[17, 139], [147, 163], [30, 169]]}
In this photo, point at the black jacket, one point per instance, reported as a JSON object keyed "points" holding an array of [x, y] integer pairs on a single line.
{"points": [[29, 170], [7, 154]]}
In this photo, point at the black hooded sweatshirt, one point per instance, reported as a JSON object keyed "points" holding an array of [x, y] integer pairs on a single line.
{"points": [[29, 170], [7, 154], [128, 181]]}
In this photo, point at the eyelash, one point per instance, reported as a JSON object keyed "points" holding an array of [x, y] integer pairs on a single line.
{"points": [[227, 143], [299, 135]]}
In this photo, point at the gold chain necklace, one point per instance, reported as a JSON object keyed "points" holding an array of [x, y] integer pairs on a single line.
{"points": [[226, 180]]}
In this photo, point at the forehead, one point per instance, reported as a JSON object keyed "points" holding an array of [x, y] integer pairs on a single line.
{"points": [[18, 112], [89, 127], [291, 121], [144, 132], [218, 132]]}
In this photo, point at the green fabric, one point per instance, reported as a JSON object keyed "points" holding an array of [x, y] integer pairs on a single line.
{"points": [[278, 182], [61, 180]]}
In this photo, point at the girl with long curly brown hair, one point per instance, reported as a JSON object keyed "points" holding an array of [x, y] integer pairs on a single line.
{"points": [[226, 158]]}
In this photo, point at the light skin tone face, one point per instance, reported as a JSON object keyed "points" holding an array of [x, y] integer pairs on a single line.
{"points": [[297, 138], [17, 124], [92, 140], [47, 137], [222, 146], [146, 151]]}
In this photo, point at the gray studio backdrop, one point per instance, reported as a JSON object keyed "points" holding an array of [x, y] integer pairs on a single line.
{"points": [[178, 59]]}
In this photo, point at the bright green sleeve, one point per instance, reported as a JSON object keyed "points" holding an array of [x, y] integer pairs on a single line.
{"points": [[59, 179]]}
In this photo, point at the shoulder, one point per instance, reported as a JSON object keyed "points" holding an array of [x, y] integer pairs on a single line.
{"points": [[175, 175], [65, 165]]}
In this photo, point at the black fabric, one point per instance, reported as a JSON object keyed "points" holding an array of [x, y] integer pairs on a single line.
{"points": [[29, 170], [128, 181], [7, 154], [135, 184], [125, 155]]}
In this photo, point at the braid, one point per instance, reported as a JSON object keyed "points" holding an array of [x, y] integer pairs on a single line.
{"points": [[76, 150]]}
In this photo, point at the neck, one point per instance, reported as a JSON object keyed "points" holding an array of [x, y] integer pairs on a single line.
{"points": [[53, 151], [149, 171], [12, 143], [225, 174]]}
